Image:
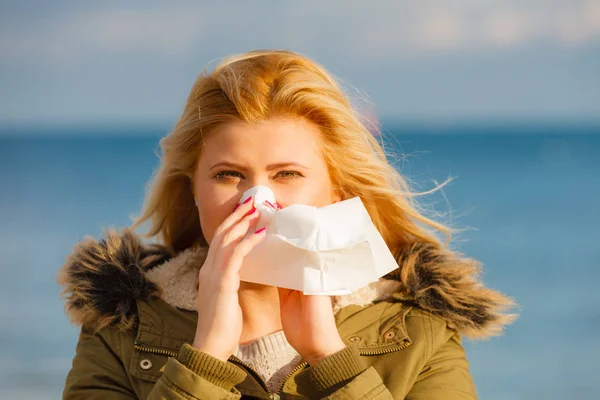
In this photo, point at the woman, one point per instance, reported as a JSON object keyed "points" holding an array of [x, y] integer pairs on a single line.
{"points": [[173, 320]]}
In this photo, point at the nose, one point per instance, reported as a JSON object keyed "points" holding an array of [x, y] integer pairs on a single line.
{"points": [[262, 195]]}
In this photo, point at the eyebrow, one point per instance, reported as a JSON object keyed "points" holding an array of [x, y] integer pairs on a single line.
{"points": [[270, 167]]}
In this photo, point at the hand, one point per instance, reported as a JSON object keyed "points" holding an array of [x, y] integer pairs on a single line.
{"points": [[220, 317], [309, 325]]}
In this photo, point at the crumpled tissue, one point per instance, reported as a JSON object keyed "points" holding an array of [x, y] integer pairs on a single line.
{"points": [[331, 250]]}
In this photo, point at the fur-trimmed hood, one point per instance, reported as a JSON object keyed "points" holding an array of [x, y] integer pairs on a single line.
{"points": [[103, 279]]}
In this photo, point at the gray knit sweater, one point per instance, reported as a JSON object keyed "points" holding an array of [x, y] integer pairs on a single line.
{"points": [[271, 356]]}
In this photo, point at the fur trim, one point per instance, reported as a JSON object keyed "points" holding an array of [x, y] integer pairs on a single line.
{"points": [[448, 285], [102, 280], [376, 291], [178, 278], [178, 283]]}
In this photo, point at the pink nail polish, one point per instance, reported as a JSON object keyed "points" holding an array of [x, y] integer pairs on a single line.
{"points": [[269, 203], [260, 231], [236, 207], [248, 200]]}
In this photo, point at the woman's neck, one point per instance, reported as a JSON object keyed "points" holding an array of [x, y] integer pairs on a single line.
{"points": [[260, 311]]}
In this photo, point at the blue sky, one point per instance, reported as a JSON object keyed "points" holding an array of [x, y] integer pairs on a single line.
{"points": [[134, 62]]}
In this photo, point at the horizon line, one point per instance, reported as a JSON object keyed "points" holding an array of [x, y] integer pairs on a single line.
{"points": [[424, 125]]}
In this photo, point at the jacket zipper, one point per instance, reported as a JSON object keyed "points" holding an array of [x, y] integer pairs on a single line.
{"points": [[362, 353], [233, 359], [255, 374], [292, 372], [386, 351], [162, 352]]}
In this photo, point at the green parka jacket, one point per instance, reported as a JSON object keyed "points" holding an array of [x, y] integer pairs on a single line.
{"points": [[135, 304]]}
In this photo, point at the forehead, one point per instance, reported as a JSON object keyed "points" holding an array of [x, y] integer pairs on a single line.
{"points": [[281, 139]]}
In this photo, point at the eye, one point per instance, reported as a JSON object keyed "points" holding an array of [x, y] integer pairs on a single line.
{"points": [[227, 175], [289, 174]]}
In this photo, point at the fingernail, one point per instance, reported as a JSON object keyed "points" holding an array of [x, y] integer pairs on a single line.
{"points": [[260, 231], [248, 200], [236, 207], [269, 203], [278, 206], [252, 211]]}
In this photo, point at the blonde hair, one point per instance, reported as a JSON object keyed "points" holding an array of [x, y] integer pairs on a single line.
{"points": [[259, 85]]}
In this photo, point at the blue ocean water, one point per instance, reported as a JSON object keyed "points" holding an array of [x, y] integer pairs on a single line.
{"points": [[529, 196]]}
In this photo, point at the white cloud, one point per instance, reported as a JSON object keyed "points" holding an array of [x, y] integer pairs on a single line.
{"points": [[439, 29], [390, 27], [69, 36], [506, 28], [169, 32], [127, 59], [469, 25], [580, 24]]}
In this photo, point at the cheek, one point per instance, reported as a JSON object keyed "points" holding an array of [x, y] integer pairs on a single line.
{"points": [[209, 221], [213, 208], [317, 193]]}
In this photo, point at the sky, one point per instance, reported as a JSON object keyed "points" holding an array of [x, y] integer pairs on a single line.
{"points": [[72, 62]]}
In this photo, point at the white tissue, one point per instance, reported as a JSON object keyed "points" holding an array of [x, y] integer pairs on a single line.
{"points": [[260, 194], [331, 250]]}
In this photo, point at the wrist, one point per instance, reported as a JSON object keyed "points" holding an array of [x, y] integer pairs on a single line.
{"points": [[217, 372], [316, 357], [210, 350], [333, 372]]}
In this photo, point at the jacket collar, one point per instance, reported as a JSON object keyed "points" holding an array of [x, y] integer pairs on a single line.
{"points": [[105, 280], [355, 324], [177, 281]]}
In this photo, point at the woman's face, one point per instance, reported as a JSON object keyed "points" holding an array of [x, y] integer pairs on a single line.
{"points": [[281, 153]]}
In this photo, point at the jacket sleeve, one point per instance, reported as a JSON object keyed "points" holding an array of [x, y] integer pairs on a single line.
{"points": [[443, 373], [98, 373], [195, 375], [343, 376]]}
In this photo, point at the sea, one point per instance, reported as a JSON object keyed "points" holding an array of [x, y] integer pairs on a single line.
{"points": [[524, 196]]}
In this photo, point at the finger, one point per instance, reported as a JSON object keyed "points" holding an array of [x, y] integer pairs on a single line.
{"points": [[223, 247], [237, 232], [237, 215], [242, 249], [224, 230]]}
